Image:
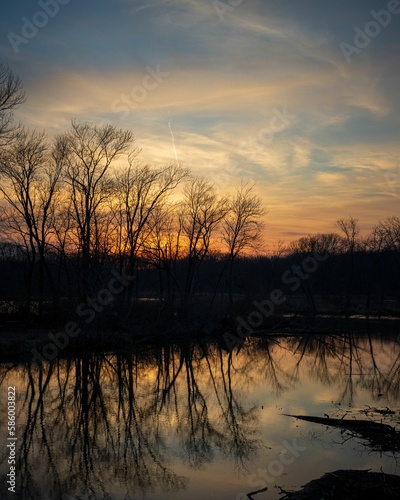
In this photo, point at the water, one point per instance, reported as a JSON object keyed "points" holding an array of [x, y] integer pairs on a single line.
{"points": [[195, 422]]}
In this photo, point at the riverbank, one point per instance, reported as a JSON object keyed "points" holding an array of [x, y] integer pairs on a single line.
{"points": [[20, 341]]}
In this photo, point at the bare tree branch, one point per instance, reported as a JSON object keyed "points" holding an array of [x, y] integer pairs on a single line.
{"points": [[12, 95]]}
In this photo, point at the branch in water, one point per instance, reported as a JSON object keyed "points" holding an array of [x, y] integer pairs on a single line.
{"points": [[250, 495]]}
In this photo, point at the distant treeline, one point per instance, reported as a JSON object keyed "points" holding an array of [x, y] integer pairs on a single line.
{"points": [[312, 275]]}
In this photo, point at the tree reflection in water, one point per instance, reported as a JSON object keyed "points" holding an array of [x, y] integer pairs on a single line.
{"points": [[120, 422]]}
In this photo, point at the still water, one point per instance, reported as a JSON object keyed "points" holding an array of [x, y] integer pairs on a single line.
{"points": [[196, 422]]}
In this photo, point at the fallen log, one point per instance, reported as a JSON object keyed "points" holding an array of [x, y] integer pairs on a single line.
{"points": [[347, 423], [380, 437]]}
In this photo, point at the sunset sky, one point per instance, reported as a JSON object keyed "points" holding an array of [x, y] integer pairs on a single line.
{"points": [[251, 89]]}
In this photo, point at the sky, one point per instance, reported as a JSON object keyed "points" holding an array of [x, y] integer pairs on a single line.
{"points": [[297, 97]]}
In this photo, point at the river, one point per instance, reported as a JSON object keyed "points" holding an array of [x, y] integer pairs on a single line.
{"points": [[193, 421]]}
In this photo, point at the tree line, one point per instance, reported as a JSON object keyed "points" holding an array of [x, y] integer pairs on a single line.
{"points": [[84, 204]]}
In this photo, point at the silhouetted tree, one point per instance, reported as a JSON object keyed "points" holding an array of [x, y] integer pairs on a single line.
{"points": [[242, 227], [89, 151], [141, 191], [385, 241], [31, 176], [387, 234], [201, 212], [163, 248], [12, 95], [350, 230]]}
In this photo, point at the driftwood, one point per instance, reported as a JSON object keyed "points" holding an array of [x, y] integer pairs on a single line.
{"points": [[379, 436], [250, 495], [346, 423]]}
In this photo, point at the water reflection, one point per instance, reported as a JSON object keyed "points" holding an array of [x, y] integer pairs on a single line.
{"points": [[122, 425]]}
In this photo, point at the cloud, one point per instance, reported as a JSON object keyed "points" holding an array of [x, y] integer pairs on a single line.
{"points": [[225, 82]]}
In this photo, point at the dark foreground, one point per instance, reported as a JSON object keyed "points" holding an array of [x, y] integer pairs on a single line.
{"points": [[349, 485]]}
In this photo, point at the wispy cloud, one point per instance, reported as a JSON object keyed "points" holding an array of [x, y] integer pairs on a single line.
{"points": [[224, 81]]}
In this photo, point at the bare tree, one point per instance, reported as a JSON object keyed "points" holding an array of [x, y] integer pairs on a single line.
{"points": [[163, 248], [141, 191], [200, 213], [11, 96], [386, 234], [88, 152], [31, 176], [351, 231], [384, 237], [386, 240], [242, 227]]}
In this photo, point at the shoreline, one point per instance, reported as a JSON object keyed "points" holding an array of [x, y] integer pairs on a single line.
{"points": [[18, 344]]}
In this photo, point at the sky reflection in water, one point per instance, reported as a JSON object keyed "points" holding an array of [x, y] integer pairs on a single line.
{"points": [[195, 422]]}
